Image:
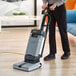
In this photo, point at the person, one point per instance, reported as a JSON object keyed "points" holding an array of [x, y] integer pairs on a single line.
{"points": [[58, 14]]}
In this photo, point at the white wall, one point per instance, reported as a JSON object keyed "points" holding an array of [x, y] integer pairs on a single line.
{"points": [[39, 7], [39, 11]]}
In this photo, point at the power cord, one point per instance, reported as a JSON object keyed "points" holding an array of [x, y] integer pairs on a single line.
{"points": [[12, 53]]}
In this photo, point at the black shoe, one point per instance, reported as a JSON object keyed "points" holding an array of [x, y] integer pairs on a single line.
{"points": [[65, 55], [49, 57]]}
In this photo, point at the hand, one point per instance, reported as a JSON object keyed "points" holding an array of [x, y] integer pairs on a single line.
{"points": [[44, 5], [53, 7]]}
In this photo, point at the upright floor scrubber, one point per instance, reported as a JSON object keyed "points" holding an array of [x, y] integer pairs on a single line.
{"points": [[35, 47]]}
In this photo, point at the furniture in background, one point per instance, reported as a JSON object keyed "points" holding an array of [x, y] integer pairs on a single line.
{"points": [[71, 22], [27, 7], [71, 5], [18, 18]]}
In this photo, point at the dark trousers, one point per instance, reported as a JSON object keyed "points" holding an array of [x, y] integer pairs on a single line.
{"points": [[59, 16]]}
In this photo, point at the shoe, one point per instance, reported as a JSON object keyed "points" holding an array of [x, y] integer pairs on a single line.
{"points": [[49, 57], [65, 55]]}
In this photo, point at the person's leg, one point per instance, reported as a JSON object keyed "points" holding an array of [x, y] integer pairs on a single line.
{"points": [[52, 42], [62, 24]]}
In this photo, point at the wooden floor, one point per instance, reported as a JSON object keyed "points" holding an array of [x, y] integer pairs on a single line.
{"points": [[13, 42]]}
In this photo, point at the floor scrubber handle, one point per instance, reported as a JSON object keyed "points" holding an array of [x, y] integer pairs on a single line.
{"points": [[46, 14]]}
